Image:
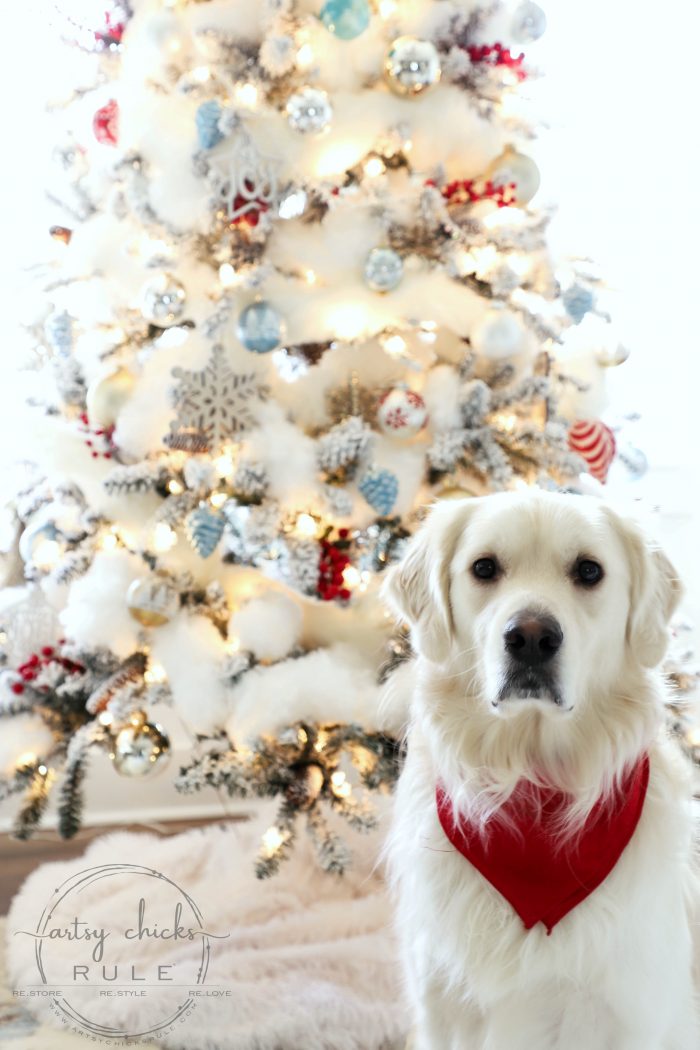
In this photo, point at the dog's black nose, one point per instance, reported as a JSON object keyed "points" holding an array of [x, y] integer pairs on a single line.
{"points": [[532, 638]]}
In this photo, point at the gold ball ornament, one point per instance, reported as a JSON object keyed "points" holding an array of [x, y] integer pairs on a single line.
{"points": [[140, 748], [107, 396], [412, 66], [512, 167], [152, 601]]}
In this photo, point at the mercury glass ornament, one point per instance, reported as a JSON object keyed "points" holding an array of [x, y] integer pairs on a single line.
{"points": [[529, 23], [346, 19], [163, 300], [152, 601], [41, 545], [518, 169], [309, 111], [383, 269], [140, 749], [107, 396], [412, 66], [260, 328]]}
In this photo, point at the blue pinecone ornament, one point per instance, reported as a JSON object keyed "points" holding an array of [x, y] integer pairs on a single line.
{"points": [[207, 121], [578, 301], [380, 488], [204, 527]]}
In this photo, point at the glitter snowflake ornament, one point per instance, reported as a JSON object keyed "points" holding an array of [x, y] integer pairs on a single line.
{"points": [[214, 406], [402, 413]]}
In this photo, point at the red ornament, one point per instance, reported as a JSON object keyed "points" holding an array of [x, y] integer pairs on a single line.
{"points": [[105, 123], [594, 442]]}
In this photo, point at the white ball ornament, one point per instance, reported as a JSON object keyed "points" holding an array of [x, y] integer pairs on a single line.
{"points": [[268, 626], [309, 111], [512, 167], [163, 300], [529, 23], [412, 66], [152, 601], [107, 396], [402, 413], [498, 335]]}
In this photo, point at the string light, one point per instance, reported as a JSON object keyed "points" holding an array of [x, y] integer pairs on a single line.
{"points": [[42, 770], [164, 538], [272, 840], [224, 465], [310, 277], [105, 718], [305, 56], [387, 8], [246, 95], [175, 488], [227, 275], [154, 674], [374, 166], [217, 499], [233, 645], [393, 344], [201, 74], [306, 525], [347, 322], [109, 541], [340, 785], [351, 577]]}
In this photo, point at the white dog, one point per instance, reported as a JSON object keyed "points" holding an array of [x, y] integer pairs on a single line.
{"points": [[542, 851]]}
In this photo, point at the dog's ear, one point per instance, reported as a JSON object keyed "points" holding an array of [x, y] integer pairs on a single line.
{"points": [[655, 593], [418, 589]]}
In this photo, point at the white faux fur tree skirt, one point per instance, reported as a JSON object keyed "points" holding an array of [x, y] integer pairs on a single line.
{"points": [[310, 960]]}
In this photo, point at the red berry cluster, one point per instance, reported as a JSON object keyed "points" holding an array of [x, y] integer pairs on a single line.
{"points": [[98, 440], [468, 191], [30, 669], [498, 55], [112, 30], [334, 559]]}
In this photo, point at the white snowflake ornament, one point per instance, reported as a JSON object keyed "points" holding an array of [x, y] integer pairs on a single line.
{"points": [[402, 413]]}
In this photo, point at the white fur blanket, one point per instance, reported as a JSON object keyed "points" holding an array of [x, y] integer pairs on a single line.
{"points": [[310, 960]]}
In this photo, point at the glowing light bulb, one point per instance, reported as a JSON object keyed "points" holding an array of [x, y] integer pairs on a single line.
{"points": [[154, 674], [340, 785], [109, 541], [272, 840], [175, 488], [164, 538], [310, 277], [306, 525], [201, 74], [387, 8], [374, 166], [217, 499], [42, 769], [305, 56], [105, 718], [246, 95], [394, 344], [293, 205], [351, 576], [224, 465], [348, 322], [233, 645], [227, 275]]}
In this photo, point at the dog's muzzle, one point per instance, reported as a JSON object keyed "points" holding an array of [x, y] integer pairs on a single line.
{"points": [[531, 641]]}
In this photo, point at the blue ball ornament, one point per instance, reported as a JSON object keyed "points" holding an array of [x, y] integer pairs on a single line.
{"points": [[260, 328], [346, 19]]}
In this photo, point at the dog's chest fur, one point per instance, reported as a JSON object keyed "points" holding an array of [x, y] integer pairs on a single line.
{"points": [[524, 988]]}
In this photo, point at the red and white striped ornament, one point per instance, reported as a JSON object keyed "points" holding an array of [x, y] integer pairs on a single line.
{"points": [[594, 442], [401, 412]]}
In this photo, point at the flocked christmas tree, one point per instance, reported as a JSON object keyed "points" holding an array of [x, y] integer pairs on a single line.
{"points": [[304, 292]]}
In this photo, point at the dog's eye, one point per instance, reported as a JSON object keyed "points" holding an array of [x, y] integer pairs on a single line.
{"points": [[588, 572], [485, 569]]}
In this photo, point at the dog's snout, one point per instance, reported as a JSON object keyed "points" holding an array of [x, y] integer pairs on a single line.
{"points": [[532, 638]]}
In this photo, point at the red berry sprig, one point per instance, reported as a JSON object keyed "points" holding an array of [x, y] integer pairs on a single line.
{"points": [[333, 561], [98, 439], [468, 191], [498, 55], [30, 669]]}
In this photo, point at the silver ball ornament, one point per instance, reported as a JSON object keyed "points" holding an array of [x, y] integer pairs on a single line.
{"points": [[41, 545], [498, 335], [529, 23], [163, 300], [412, 66], [260, 328], [383, 269], [140, 749], [309, 111]]}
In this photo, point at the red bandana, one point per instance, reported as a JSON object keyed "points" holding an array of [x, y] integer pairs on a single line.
{"points": [[542, 882]]}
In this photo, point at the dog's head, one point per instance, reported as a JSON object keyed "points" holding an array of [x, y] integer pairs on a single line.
{"points": [[538, 600]]}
